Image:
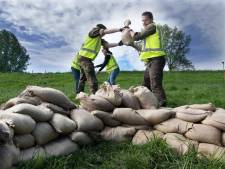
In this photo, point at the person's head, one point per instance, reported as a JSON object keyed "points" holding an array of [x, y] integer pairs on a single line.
{"points": [[147, 18], [101, 26]]}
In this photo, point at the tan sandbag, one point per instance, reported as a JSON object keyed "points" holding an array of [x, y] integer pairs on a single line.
{"points": [[106, 118], [129, 100], [154, 116], [38, 113], [44, 133], [24, 141], [174, 125], [6, 131], [23, 124], [128, 116], [62, 124], [32, 153], [86, 121], [55, 108], [62, 146], [206, 107], [216, 119], [223, 138], [144, 136], [137, 127], [81, 138], [211, 151], [192, 115], [117, 134], [146, 98], [179, 143], [176, 109], [126, 37], [204, 133]]}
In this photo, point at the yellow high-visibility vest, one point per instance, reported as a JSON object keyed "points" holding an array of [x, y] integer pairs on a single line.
{"points": [[111, 65], [75, 62]]}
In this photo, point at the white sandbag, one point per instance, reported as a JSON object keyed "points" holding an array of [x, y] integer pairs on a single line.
{"points": [[38, 113], [23, 124], [223, 138], [62, 146], [129, 100], [128, 116], [146, 98], [155, 116], [55, 108], [6, 131], [86, 121], [62, 124], [24, 141], [206, 107], [204, 133], [106, 118], [32, 153], [144, 136], [117, 134], [192, 115], [174, 125], [176, 109], [81, 138], [212, 151], [44, 133]]}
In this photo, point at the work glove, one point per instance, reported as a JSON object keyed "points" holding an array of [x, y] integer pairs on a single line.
{"points": [[120, 43]]}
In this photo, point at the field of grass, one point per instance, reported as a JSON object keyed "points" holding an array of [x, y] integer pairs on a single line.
{"points": [[181, 88]]}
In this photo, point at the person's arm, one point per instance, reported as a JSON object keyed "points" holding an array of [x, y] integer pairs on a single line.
{"points": [[107, 57], [149, 30], [136, 45], [111, 45]]}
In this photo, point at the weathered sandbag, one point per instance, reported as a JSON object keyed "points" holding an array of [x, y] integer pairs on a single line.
{"points": [[62, 146], [62, 124], [23, 124], [191, 115], [32, 153], [81, 138], [154, 116], [174, 125], [44, 133], [86, 121], [6, 131], [128, 116], [216, 119], [179, 143], [110, 93], [38, 113], [126, 37], [49, 95], [24, 141], [106, 118], [137, 127], [204, 133], [146, 98], [144, 136], [117, 134], [55, 108], [206, 107], [129, 100], [211, 151], [223, 138], [176, 109], [93, 102]]}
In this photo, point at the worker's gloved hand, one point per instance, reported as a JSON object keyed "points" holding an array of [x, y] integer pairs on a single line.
{"points": [[120, 43]]}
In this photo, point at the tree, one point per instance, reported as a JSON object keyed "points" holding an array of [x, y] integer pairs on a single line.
{"points": [[175, 43], [13, 56]]}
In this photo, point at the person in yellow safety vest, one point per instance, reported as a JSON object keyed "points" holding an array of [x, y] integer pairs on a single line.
{"points": [[153, 55], [89, 51], [75, 67], [111, 65]]}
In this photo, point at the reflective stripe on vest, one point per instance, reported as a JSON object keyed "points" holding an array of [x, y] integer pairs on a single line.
{"points": [[75, 62], [111, 65]]}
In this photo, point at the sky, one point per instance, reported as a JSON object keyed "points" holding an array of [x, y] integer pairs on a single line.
{"points": [[52, 31]]}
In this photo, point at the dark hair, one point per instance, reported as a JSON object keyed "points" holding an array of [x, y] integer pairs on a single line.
{"points": [[101, 26], [148, 14]]}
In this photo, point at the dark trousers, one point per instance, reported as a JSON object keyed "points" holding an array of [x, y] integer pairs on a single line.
{"points": [[76, 77]]}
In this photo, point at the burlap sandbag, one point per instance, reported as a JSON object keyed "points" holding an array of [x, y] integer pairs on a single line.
{"points": [[86, 121], [106, 118], [128, 116], [126, 37], [138, 127], [223, 138], [6, 131], [212, 151], [44, 133], [176, 109], [62, 124], [204, 133], [174, 125], [144, 136], [129, 100], [192, 115], [154, 116], [206, 107], [56, 109], [81, 138], [32, 153], [24, 141], [62, 146]]}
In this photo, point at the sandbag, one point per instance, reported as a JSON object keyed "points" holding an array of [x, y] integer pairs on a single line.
{"points": [[81, 138], [128, 116], [56, 109], [117, 134], [191, 115], [223, 138], [156, 116], [106, 118], [86, 121], [23, 124], [62, 146], [137, 127], [146, 98], [176, 109], [32, 153], [129, 100], [6, 132], [126, 37], [62, 124], [174, 125], [24, 141], [144, 136], [38, 113], [44, 133], [212, 151], [206, 107], [204, 133]]}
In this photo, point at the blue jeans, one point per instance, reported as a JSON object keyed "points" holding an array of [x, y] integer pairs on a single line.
{"points": [[113, 75], [76, 76]]}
